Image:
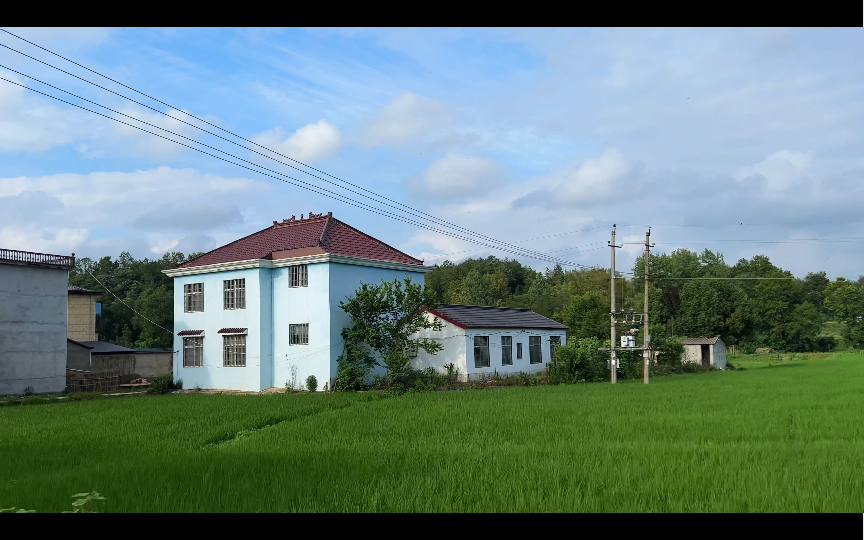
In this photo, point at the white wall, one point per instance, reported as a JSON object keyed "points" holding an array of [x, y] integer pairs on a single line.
{"points": [[454, 341], [495, 351], [33, 312], [693, 354]]}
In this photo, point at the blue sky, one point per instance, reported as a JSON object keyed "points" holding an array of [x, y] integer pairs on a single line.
{"points": [[717, 138]]}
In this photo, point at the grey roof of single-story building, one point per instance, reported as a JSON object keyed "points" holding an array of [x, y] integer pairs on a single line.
{"points": [[72, 289], [103, 347], [701, 340], [495, 317], [78, 343]]}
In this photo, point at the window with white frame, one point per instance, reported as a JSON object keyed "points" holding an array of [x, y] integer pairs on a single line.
{"points": [[506, 350], [554, 343], [234, 295], [298, 334], [518, 351], [234, 351], [193, 352], [299, 276], [481, 351], [193, 297], [535, 353]]}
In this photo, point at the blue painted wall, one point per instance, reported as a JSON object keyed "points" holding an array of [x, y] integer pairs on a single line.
{"points": [[301, 305], [213, 318], [271, 306], [345, 279]]}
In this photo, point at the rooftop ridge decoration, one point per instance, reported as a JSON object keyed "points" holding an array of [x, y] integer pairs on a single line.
{"points": [[293, 220], [295, 237]]}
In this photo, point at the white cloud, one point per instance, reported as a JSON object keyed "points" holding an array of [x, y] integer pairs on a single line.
{"points": [[151, 145], [456, 175], [781, 169], [403, 119], [595, 181], [158, 208], [59, 240], [32, 124], [309, 143]]}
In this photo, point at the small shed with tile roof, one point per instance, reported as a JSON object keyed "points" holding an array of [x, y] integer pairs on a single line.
{"points": [[708, 351]]}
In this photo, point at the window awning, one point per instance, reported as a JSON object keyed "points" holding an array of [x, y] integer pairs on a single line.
{"points": [[232, 331], [187, 333]]}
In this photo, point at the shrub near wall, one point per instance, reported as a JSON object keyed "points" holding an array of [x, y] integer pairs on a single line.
{"points": [[580, 360]]}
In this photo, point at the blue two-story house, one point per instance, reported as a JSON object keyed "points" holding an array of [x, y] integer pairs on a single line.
{"points": [[264, 310]]}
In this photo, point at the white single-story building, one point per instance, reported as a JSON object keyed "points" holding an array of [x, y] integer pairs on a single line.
{"points": [[483, 340], [706, 351]]}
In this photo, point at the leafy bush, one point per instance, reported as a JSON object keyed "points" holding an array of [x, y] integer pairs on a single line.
{"points": [[163, 384], [311, 383], [580, 360], [661, 370]]}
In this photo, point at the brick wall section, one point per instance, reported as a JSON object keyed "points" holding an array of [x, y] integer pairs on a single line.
{"points": [[82, 318]]}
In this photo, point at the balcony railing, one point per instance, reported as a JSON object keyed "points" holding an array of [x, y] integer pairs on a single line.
{"points": [[39, 259]]}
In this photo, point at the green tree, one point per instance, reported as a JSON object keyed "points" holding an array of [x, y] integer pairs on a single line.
{"points": [[383, 318], [846, 300], [586, 315]]}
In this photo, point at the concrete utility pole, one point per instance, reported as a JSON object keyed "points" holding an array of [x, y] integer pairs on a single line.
{"points": [[613, 361], [646, 354]]}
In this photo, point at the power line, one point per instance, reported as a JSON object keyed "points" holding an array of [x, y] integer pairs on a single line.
{"points": [[321, 191], [701, 278], [125, 304], [789, 241], [417, 213], [553, 251]]}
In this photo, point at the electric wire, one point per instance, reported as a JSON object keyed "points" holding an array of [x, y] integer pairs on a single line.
{"points": [[127, 305], [321, 191], [412, 211], [227, 153]]}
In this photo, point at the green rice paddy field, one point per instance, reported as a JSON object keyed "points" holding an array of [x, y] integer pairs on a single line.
{"points": [[785, 436]]}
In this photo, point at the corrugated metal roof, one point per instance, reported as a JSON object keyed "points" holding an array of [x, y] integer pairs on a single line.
{"points": [[701, 340], [317, 231], [495, 317]]}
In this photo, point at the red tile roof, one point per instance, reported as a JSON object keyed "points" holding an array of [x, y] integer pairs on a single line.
{"points": [[321, 231], [190, 333], [232, 331]]}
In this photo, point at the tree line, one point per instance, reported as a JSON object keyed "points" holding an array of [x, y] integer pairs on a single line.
{"points": [[690, 294], [790, 313], [139, 283]]}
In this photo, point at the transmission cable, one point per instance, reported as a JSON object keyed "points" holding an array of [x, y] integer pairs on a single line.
{"points": [[318, 190], [413, 211]]}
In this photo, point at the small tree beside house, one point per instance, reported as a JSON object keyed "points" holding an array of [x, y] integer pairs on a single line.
{"points": [[383, 319]]}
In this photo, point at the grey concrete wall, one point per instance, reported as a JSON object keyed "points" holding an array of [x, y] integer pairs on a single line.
{"points": [[146, 365], [77, 357], [33, 310]]}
